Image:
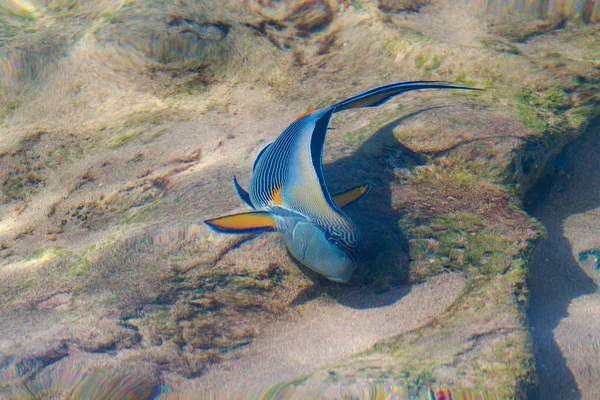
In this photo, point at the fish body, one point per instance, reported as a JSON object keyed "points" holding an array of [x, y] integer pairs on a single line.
{"points": [[289, 194]]}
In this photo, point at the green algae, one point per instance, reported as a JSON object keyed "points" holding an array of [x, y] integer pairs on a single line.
{"points": [[45, 253], [542, 111], [428, 62], [418, 48], [138, 124], [145, 212], [148, 117], [462, 79], [459, 242], [83, 264]]}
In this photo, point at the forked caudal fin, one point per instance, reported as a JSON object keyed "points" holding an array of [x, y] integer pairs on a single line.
{"points": [[378, 96]]}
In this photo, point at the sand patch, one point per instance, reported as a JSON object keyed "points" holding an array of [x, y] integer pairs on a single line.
{"points": [[324, 331]]}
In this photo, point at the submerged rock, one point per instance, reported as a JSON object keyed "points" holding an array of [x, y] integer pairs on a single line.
{"points": [[401, 5], [590, 258], [133, 136], [310, 15]]}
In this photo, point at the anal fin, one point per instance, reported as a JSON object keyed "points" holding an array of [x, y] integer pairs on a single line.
{"points": [[350, 195], [251, 222]]}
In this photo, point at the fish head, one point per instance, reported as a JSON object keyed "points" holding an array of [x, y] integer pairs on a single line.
{"points": [[323, 250]]}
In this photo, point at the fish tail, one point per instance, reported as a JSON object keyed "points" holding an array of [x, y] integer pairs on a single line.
{"points": [[378, 96]]}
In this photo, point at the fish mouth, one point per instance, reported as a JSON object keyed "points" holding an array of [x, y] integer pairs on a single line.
{"points": [[308, 244], [338, 279]]}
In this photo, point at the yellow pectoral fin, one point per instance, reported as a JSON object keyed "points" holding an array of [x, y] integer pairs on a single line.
{"points": [[252, 222], [347, 197]]}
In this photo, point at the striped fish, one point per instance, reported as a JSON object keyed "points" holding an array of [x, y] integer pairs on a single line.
{"points": [[289, 194]]}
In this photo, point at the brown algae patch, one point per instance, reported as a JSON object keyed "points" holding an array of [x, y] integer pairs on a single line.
{"points": [[24, 168], [124, 198], [192, 302]]}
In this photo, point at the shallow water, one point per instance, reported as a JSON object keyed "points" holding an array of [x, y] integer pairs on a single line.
{"points": [[565, 300], [122, 124]]}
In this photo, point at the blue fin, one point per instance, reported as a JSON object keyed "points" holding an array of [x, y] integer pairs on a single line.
{"points": [[370, 98], [245, 196], [316, 151], [380, 95], [252, 222]]}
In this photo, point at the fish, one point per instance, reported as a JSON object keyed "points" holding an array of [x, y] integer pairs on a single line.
{"points": [[288, 192]]}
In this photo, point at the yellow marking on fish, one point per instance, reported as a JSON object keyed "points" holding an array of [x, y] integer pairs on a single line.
{"points": [[277, 199], [306, 113], [242, 222], [349, 196]]}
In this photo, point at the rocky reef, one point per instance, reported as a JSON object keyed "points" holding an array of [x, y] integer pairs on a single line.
{"points": [[123, 123]]}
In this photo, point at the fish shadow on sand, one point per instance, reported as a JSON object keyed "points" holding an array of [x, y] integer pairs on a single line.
{"points": [[385, 266], [556, 278]]}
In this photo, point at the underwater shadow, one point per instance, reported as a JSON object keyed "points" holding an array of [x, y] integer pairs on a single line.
{"points": [[385, 261], [556, 278]]}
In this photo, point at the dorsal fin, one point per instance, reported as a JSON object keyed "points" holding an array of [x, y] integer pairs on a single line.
{"points": [[260, 154], [306, 113], [379, 95], [370, 98], [317, 141]]}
